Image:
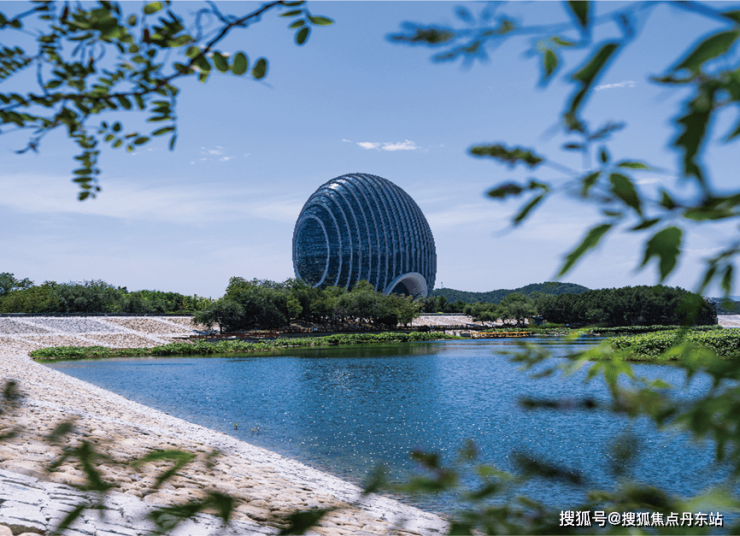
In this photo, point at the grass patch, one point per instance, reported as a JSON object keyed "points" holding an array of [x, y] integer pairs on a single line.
{"points": [[234, 346], [655, 346], [634, 330]]}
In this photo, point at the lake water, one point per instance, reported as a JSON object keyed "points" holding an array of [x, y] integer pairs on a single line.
{"points": [[346, 410]]}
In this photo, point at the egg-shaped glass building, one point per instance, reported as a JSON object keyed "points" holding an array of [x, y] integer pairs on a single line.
{"points": [[361, 226]]}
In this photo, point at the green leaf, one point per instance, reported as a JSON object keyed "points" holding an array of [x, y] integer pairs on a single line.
{"points": [[202, 63], [300, 522], [727, 279], [732, 15], [667, 201], [260, 69], [710, 48], [141, 140], [124, 102], [292, 13], [116, 126], [623, 188], [132, 20], [549, 64], [632, 164], [153, 8], [590, 241], [161, 131], [660, 384], [588, 181], [118, 143], [180, 459], [504, 190], [734, 134], [563, 42], [524, 212], [589, 72], [603, 155], [173, 139], [191, 52], [377, 480], [708, 214], [666, 245], [240, 65], [297, 24], [220, 62], [694, 125], [462, 528], [77, 511], [302, 35], [320, 21], [581, 12], [509, 156], [645, 224]]}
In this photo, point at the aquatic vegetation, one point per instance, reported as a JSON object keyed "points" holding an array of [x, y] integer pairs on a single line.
{"points": [[236, 346], [654, 346]]}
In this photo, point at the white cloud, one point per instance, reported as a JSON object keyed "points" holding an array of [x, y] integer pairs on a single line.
{"points": [[346, 141], [406, 145], [368, 144], [217, 154], [626, 83]]}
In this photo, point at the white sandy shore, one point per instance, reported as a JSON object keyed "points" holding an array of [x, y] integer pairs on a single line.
{"points": [[267, 486]]}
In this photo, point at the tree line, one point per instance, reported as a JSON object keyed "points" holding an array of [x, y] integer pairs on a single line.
{"points": [[269, 304], [626, 306], [96, 296], [265, 304]]}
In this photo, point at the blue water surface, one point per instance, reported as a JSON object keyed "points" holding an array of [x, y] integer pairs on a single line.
{"points": [[347, 409]]}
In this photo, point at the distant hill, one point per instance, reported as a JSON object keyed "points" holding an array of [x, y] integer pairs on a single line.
{"points": [[495, 296]]}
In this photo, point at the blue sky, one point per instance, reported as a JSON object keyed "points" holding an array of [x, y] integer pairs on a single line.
{"points": [[249, 154]]}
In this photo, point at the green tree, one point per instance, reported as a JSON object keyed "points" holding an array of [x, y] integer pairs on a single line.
{"points": [[224, 312], [516, 307], [8, 283], [87, 297], [37, 299], [93, 59], [405, 308]]}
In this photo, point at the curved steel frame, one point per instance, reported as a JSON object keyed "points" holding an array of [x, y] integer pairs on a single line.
{"points": [[372, 230]]}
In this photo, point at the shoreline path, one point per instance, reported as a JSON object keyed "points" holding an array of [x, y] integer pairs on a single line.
{"points": [[267, 487]]}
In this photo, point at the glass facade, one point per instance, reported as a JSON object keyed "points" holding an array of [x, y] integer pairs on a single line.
{"points": [[361, 226]]}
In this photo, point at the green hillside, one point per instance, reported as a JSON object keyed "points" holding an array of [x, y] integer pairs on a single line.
{"points": [[495, 296]]}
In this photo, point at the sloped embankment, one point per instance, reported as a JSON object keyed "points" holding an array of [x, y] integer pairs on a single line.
{"points": [[267, 487]]}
